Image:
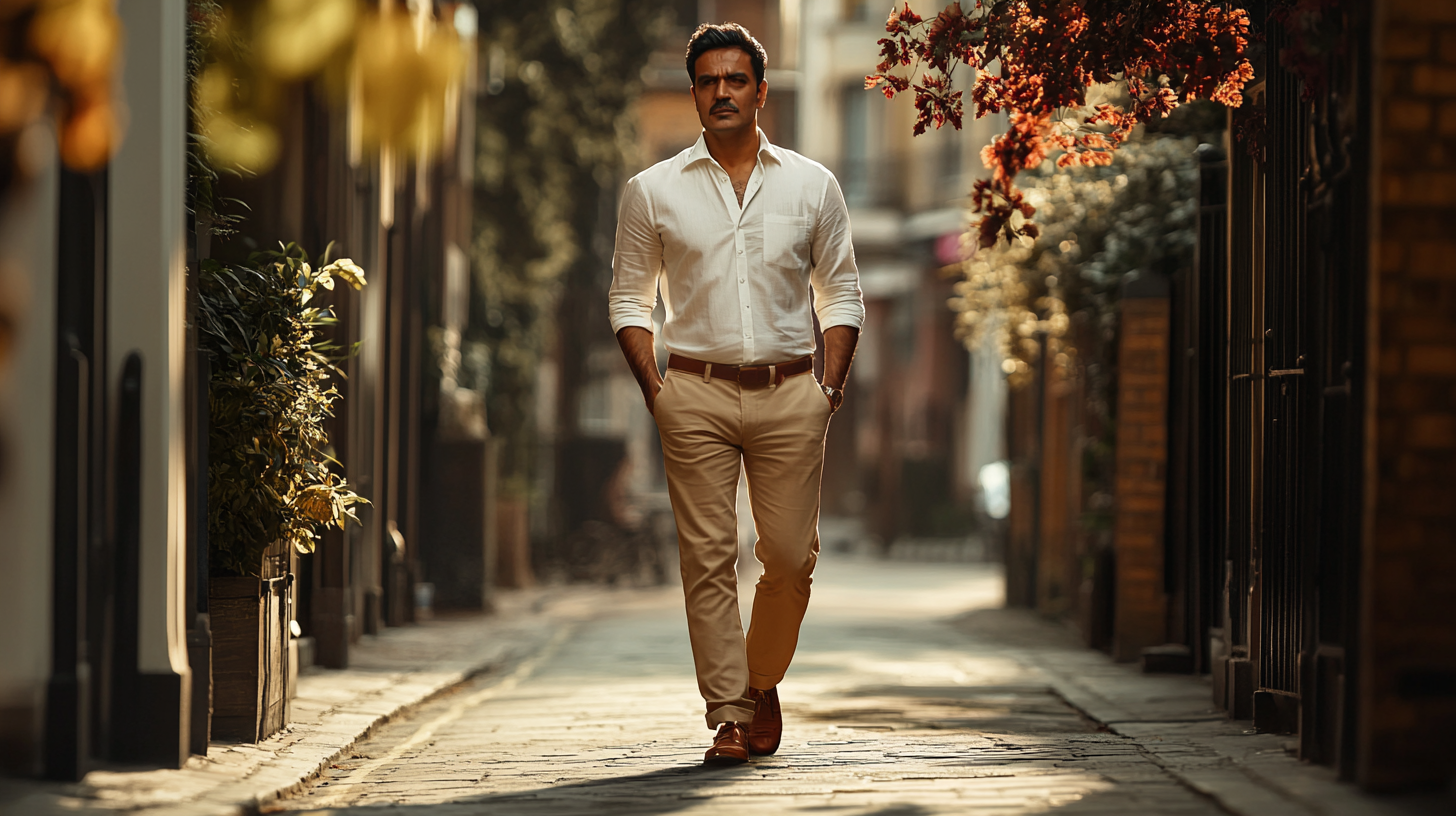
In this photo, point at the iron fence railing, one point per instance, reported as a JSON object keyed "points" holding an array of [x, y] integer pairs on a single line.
{"points": [[1281, 542]]}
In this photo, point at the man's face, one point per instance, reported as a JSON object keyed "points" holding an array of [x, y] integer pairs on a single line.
{"points": [[724, 91]]}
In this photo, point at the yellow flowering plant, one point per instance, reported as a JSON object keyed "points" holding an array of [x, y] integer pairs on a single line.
{"points": [[270, 473]]}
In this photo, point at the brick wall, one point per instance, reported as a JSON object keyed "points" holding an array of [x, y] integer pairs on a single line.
{"points": [[1140, 465], [1408, 662]]}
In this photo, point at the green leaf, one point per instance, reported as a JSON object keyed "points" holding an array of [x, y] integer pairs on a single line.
{"points": [[268, 398]]}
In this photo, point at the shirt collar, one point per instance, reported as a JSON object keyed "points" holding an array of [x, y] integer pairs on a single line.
{"points": [[699, 151]]}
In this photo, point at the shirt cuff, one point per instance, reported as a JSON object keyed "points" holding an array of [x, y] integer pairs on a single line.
{"points": [[851, 315], [641, 321]]}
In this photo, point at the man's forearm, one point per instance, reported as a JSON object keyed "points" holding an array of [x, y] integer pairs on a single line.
{"points": [[839, 343], [640, 351]]}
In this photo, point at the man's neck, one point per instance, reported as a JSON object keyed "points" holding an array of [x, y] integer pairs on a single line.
{"points": [[735, 148]]}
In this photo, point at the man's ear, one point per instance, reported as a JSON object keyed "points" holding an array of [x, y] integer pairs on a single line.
{"points": [[762, 92]]}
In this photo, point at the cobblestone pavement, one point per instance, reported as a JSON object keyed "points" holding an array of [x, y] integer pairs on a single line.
{"points": [[907, 697], [389, 673]]}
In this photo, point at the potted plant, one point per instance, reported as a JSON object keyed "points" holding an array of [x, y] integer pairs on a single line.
{"points": [[271, 485]]}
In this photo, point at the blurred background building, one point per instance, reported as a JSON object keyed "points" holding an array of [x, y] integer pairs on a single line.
{"points": [[904, 453]]}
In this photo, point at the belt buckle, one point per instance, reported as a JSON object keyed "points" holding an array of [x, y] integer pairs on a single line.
{"points": [[753, 377]]}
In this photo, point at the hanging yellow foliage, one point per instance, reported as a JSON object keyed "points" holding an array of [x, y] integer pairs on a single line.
{"points": [[404, 84], [395, 71]]}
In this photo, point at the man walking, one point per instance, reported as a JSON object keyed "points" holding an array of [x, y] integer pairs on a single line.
{"points": [[737, 231]]}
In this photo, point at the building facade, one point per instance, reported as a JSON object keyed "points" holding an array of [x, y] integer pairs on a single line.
{"points": [[106, 414], [1284, 407]]}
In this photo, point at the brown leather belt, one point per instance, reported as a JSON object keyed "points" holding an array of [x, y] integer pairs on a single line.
{"points": [[758, 376]]}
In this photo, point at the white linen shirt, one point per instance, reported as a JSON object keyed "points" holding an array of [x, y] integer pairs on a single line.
{"points": [[735, 280]]}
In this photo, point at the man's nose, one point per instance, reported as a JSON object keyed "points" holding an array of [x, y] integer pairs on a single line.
{"points": [[720, 91]]}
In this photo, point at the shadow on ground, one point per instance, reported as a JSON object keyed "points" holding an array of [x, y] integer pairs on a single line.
{"points": [[1018, 628], [995, 709], [706, 790]]}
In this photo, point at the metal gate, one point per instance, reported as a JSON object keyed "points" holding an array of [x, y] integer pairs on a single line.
{"points": [[1279, 548], [1287, 534], [1242, 413]]}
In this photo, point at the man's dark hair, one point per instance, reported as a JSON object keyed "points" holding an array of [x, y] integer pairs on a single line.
{"points": [[712, 36]]}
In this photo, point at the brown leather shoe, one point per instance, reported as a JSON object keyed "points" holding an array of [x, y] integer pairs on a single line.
{"points": [[768, 722], [730, 746]]}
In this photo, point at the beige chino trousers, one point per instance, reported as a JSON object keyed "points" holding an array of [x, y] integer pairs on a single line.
{"points": [[709, 429]]}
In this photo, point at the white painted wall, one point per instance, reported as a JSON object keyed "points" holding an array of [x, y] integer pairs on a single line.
{"points": [[27, 411], [146, 311]]}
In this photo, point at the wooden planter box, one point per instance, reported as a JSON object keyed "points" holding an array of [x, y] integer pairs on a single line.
{"points": [[250, 635]]}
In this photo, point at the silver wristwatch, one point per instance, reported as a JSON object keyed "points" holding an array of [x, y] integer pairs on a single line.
{"points": [[836, 397]]}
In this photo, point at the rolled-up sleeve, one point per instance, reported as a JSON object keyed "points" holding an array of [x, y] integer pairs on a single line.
{"points": [[837, 296], [635, 263]]}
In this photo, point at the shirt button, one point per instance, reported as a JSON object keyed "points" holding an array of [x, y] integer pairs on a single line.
{"points": [[740, 252]]}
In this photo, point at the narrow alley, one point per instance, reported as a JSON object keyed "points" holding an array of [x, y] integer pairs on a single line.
{"points": [[389, 389], [892, 707]]}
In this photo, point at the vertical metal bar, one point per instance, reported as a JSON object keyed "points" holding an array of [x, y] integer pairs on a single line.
{"points": [[199, 632], [80, 248], [100, 553], [126, 522], [67, 709], [1208, 504]]}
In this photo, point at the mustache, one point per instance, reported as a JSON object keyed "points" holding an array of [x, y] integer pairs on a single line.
{"points": [[725, 104]]}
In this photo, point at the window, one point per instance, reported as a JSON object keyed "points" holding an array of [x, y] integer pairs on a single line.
{"points": [[865, 172]]}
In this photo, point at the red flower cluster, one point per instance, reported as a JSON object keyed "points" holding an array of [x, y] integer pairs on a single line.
{"points": [[1035, 59]]}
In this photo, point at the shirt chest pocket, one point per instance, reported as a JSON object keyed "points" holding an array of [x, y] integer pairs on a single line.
{"points": [[786, 242]]}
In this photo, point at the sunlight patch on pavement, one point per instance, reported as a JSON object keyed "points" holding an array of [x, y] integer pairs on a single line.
{"points": [[427, 731]]}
